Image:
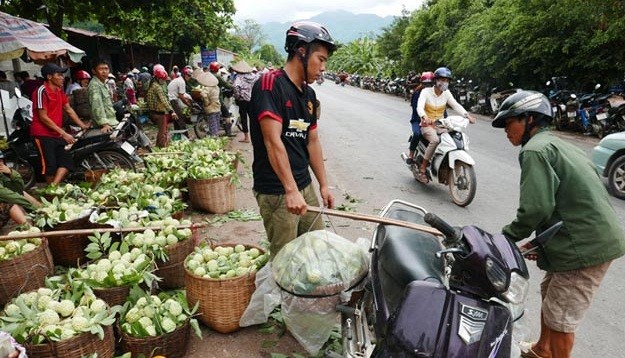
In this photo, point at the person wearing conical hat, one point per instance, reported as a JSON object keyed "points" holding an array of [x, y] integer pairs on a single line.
{"points": [[243, 83], [210, 101]]}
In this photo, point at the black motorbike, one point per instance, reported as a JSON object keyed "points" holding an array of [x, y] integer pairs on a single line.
{"points": [[90, 154], [459, 297]]}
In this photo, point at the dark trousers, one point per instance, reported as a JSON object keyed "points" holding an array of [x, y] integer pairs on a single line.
{"points": [[244, 109]]}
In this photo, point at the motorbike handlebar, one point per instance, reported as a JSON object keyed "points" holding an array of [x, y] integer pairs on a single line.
{"points": [[452, 235]]}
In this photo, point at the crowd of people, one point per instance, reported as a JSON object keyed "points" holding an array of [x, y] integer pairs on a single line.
{"points": [[557, 181]]}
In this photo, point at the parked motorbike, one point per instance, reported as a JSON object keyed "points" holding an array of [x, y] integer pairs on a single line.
{"points": [[129, 129], [615, 122], [463, 297], [201, 126], [451, 164], [90, 154]]}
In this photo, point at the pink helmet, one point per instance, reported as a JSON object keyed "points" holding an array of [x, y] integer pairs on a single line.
{"points": [[82, 75], [187, 71], [427, 77]]}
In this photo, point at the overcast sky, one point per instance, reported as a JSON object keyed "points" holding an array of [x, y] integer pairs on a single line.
{"points": [[289, 10]]}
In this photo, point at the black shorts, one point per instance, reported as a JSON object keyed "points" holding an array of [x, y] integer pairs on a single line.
{"points": [[53, 155]]}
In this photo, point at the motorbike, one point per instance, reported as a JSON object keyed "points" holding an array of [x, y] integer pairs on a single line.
{"points": [[200, 118], [129, 128], [460, 297], [451, 164], [89, 153]]}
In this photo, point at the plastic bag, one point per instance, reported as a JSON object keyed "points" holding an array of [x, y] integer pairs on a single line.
{"points": [[265, 298], [319, 263], [336, 266]]}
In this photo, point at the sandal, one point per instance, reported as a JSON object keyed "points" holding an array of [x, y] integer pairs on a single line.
{"points": [[422, 177], [527, 351]]}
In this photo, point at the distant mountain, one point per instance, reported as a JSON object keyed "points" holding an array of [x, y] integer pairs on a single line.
{"points": [[344, 27]]}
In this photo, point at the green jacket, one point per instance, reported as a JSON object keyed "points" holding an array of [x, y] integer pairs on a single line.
{"points": [[559, 182], [12, 189], [102, 111]]}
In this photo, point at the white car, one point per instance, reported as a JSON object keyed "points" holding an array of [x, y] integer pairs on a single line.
{"points": [[609, 158]]}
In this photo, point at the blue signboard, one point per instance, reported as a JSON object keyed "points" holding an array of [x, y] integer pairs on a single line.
{"points": [[208, 56]]}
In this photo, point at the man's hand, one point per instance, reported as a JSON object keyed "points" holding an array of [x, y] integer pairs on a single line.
{"points": [[106, 129], [472, 119], [68, 138], [425, 121], [533, 256], [295, 203], [327, 197], [4, 169]]}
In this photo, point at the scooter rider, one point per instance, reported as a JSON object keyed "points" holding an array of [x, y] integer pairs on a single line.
{"points": [[426, 80], [431, 107]]}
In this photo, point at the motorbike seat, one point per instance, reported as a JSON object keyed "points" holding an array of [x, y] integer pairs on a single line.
{"points": [[407, 255]]}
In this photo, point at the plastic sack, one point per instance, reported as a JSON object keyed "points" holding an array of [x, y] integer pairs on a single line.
{"points": [[265, 298], [319, 263]]}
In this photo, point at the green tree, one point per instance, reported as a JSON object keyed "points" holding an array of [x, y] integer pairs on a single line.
{"points": [[268, 53], [389, 42], [251, 32]]}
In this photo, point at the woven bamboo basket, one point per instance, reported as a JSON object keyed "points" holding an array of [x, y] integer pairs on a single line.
{"points": [[213, 195], [172, 270], [69, 250], [113, 295], [170, 345], [25, 272], [222, 302], [82, 345]]}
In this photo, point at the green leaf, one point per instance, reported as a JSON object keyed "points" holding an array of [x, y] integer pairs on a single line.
{"points": [[271, 344], [196, 327]]}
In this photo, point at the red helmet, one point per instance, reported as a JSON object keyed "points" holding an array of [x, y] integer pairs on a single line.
{"points": [[159, 72], [214, 66], [427, 77], [82, 75]]}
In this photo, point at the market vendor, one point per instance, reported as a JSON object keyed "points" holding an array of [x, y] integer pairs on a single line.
{"points": [[13, 199]]}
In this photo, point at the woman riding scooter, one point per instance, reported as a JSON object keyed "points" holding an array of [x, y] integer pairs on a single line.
{"points": [[431, 107]]}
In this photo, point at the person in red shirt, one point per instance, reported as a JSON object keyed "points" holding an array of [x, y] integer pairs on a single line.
{"points": [[49, 102]]}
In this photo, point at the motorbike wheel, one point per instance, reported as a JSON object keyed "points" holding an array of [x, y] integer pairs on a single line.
{"points": [[201, 128], [616, 178], [462, 184], [25, 169], [106, 160]]}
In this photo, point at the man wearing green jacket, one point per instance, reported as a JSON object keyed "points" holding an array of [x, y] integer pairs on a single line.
{"points": [[559, 183]]}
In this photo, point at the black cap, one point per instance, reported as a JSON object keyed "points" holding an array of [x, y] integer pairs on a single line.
{"points": [[50, 69]]}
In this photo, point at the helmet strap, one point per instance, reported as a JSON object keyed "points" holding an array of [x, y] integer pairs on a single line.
{"points": [[304, 59], [528, 129]]}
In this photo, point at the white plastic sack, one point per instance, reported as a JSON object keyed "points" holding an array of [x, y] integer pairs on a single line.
{"points": [[265, 298], [319, 263]]}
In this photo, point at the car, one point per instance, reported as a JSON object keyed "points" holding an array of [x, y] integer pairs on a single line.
{"points": [[609, 158]]}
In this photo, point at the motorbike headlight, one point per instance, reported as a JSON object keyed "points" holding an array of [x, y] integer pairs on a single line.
{"points": [[496, 275], [518, 289]]}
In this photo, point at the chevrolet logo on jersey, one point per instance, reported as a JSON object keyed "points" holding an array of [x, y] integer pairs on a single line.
{"points": [[298, 124]]}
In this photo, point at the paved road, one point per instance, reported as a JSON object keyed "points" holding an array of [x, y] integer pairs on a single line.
{"points": [[363, 134]]}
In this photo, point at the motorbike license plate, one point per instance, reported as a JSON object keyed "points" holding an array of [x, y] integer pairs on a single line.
{"points": [[571, 114], [602, 116], [128, 148], [462, 98], [554, 110], [481, 101]]}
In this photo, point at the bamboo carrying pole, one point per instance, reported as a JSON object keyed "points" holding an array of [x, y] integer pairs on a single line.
{"points": [[30, 235], [375, 219]]}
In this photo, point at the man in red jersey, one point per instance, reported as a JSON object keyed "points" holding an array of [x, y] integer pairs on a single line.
{"points": [[49, 102]]}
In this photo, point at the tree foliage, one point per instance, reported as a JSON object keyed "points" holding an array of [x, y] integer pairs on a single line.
{"points": [[268, 53], [179, 26], [251, 32], [493, 42]]}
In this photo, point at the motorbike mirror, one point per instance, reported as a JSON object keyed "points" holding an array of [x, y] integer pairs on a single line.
{"points": [[597, 86], [548, 83], [543, 237], [470, 81], [18, 93]]}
